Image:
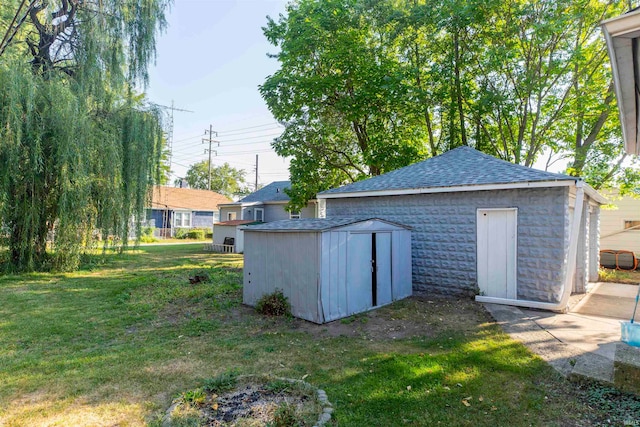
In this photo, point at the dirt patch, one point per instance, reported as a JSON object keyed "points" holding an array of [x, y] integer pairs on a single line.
{"points": [[417, 316]]}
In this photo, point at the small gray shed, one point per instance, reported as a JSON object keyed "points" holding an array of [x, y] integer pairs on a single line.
{"points": [[328, 268]]}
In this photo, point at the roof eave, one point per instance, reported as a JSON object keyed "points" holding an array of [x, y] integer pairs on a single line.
{"points": [[621, 33], [452, 189]]}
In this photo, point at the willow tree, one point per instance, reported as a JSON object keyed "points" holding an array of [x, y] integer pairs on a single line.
{"points": [[78, 147]]}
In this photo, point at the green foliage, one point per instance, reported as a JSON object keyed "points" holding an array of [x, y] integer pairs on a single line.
{"points": [[146, 235], [274, 304], [285, 416], [222, 382], [193, 397], [225, 179], [181, 233], [196, 234], [78, 148], [278, 386], [366, 87]]}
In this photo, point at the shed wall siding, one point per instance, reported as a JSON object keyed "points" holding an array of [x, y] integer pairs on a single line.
{"points": [[444, 236], [286, 261]]}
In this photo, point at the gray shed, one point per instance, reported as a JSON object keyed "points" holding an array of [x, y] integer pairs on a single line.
{"points": [[328, 268], [508, 233]]}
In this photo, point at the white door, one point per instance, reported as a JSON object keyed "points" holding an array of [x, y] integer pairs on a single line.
{"points": [[359, 277], [497, 243], [383, 268]]}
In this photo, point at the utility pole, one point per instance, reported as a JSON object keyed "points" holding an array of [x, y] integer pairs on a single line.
{"points": [[210, 132], [256, 186]]}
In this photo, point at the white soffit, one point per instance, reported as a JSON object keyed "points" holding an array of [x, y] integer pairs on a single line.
{"points": [[622, 36]]}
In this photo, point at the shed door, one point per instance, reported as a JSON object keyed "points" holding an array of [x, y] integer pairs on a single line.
{"points": [[359, 277], [497, 236], [368, 271]]}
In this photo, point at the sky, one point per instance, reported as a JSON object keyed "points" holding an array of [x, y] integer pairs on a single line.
{"points": [[211, 60]]}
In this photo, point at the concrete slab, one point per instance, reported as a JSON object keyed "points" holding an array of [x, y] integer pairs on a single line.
{"points": [[584, 343], [627, 368], [614, 300], [588, 333]]}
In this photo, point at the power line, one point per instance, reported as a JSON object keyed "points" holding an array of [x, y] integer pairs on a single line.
{"points": [[249, 127]]}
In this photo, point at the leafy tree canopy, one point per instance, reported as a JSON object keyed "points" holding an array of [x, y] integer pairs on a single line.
{"points": [[78, 147], [225, 179], [366, 86]]}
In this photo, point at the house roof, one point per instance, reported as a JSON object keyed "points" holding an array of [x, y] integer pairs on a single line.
{"points": [[273, 192], [312, 224], [185, 198], [460, 167]]}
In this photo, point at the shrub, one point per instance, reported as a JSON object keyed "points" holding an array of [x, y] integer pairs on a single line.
{"points": [[196, 234], [274, 304], [181, 233], [147, 235]]}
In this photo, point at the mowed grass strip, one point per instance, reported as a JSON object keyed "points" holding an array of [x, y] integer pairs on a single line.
{"points": [[113, 343]]}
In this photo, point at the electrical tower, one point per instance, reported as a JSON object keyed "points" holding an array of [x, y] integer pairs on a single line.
{"points": [[170, 130], [210, 132]]}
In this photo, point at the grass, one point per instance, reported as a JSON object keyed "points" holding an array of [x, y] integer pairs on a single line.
{"points": [[115, 342]]}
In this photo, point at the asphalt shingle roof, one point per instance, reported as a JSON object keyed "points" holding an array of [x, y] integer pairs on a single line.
{"points": [[458, 167], [273, 192], [306, 224], [186, 198]]}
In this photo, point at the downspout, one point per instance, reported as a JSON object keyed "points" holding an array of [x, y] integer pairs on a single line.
{"points": [[567, 283]]}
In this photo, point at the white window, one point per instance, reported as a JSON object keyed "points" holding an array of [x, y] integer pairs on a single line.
{"points": [[258, 214], [231, 216], [294, 215], [182, 219]]}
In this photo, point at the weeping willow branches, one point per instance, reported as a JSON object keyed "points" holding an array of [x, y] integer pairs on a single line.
{"points": [[78, 149]]}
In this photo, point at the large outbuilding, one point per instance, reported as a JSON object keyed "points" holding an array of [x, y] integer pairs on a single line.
{"points": [[507, 233], [328, 268]]}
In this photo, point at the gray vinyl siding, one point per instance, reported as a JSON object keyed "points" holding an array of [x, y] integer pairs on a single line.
{"points": [[226, 209], [275, 212], [444, 236]]}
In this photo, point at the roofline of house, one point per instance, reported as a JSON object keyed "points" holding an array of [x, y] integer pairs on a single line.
{"points": [[459, 188], [270, 202]]}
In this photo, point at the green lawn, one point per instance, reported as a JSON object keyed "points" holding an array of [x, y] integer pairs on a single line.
{"points": [[113, 343]]}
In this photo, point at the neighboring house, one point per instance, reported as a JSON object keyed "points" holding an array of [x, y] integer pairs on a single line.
{"points": [[173, 208], [482, 225], [620, 224], [265, 205]]}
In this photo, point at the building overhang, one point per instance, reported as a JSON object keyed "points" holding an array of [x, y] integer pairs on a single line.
{"points": [[593, 194], [622, 35]]}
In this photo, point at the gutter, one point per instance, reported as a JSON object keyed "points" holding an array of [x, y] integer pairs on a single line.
{"points": [[569, 271]]}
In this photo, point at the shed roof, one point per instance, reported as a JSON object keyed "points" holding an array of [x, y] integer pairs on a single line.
{"points": [[312, 224], [463, 166], [273, 192], [235, 222], [185, 198]]}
